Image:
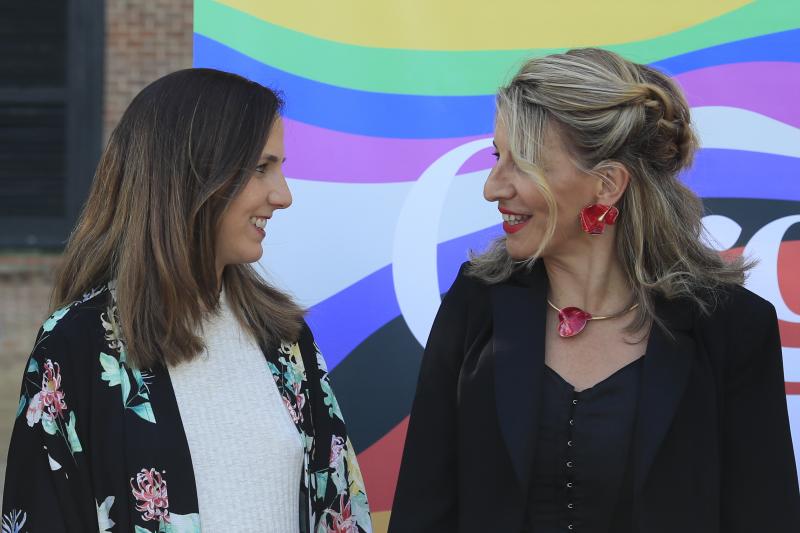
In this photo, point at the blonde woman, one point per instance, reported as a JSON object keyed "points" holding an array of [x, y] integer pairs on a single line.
{"points": [[599, 369], [173, 389]]}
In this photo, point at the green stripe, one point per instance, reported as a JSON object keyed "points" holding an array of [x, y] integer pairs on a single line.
{"points": [[448, 73]]}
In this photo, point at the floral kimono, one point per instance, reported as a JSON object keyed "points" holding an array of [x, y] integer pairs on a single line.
{"points": [[98, 445]]}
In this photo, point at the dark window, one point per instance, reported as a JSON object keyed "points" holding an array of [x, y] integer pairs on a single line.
{"points": [[51, 55]]}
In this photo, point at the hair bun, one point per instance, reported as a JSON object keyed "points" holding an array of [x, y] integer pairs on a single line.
{"points": [[667, 132]]}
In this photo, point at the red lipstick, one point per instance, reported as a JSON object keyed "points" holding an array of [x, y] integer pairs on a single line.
{"points": [[513, 228]]}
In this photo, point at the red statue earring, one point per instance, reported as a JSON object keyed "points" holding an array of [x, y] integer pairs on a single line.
{"points": [[594, 218]]}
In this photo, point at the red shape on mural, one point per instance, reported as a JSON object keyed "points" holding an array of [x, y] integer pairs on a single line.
{"points": [[380, 465]]}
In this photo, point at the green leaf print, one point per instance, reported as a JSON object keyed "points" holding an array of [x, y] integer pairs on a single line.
{"points": [[33, 366], [126, 385], [116, 373], [274, 369], [137, 375], [145, 411], [110, 369], [322, 484], [49, 425], [72, 435], [292, 374], [330, 400], [104, 523], [339, 480], [360, 509], [23, 401], [181, 523], [51, 322], [140, 529]]}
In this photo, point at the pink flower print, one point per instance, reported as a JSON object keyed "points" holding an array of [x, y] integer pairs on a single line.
{"points": [[34, 412], [343, 522], [299, 398], [296, 417], [52, 397], [151, 495], [296, 410], [337, 446]]}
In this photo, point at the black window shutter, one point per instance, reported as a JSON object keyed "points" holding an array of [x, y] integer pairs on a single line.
{"points": [[50, 116]]}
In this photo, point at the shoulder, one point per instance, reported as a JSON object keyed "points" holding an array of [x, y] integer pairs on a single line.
{"points": [[464, 311], [467, 290], [72, 327], [309, 351], [68, 345], [740, 331], [739, 311]]}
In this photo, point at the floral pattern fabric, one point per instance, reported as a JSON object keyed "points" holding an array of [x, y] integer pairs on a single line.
{"points": [[97, 443]]}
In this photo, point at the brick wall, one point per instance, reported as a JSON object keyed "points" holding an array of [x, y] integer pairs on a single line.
{"points": [[145, 39]]}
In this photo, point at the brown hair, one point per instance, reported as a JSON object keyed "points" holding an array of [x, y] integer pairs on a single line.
{"points": [[183, 149], [611, 111]]}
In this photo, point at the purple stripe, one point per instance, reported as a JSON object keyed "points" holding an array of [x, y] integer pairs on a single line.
{"points": [[769, 88], [483, 160], [735, 174], [317, 154]]}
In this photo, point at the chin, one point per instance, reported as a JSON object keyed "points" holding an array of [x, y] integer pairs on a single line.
{"points": [[252, 256], [520, 253]]}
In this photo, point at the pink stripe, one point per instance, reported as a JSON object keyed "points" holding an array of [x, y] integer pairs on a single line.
{"points": [[768, 88], [319, 154]]}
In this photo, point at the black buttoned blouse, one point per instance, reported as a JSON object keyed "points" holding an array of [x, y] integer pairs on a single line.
{"points": [[582, 479]]}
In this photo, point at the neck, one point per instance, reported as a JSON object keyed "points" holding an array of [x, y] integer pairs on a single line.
{"points": [[591, 279], [220, 270]]}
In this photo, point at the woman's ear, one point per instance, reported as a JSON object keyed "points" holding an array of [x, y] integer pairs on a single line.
{"points": [[614, 180]]}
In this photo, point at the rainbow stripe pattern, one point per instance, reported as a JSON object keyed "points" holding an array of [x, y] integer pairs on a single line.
{"points": [[389, 119]]}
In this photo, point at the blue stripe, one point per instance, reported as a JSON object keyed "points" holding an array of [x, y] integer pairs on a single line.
{"points": [[782, 46], [353, 111], [738, 174], [414, 116]]}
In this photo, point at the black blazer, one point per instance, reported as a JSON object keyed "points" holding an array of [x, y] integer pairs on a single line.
{"points": [[711, 448]]}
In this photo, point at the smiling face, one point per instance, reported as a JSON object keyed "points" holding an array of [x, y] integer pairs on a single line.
{"points": [[242, 225], [523, 204]]}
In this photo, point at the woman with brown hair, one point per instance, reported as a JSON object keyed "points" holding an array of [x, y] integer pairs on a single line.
{"points": [[168, 363], [600, 368]]}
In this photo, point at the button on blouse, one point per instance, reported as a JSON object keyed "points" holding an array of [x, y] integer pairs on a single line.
{"points": [[582, 479]]}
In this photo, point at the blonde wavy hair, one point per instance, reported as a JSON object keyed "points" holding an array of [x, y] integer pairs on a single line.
{"points": [[610, 111]]}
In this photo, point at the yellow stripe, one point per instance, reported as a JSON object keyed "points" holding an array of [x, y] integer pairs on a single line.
{"points": [[380, 521], [479, 25]]}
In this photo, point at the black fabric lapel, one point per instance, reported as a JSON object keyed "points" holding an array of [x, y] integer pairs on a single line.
{"points": [[667, 366], [519, 316]]}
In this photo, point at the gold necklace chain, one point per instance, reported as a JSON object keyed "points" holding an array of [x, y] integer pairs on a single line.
{"points": [[615, 315]]}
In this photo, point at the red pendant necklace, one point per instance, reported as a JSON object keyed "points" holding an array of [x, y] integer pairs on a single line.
{"points": [[573, 320]]}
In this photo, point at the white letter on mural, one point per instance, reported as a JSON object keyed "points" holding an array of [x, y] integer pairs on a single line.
{"points": [[763, 279], [414, 266]]}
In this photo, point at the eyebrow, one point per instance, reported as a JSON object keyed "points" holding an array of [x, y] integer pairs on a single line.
{"points": [[269, 158], [494, 144]]}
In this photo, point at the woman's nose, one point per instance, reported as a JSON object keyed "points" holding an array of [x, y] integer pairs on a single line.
{"points": [[280, 197], [497, 186]]}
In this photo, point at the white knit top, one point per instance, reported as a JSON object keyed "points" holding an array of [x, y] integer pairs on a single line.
{"points": [[246, 451]]}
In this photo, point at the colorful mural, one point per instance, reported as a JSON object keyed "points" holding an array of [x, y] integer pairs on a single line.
{"points": [[389, 117]]}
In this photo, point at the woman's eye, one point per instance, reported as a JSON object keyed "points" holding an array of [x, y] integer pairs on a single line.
{"points": [[262, 168], [496, 156]]}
